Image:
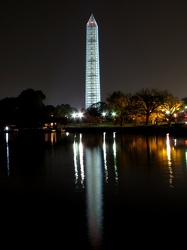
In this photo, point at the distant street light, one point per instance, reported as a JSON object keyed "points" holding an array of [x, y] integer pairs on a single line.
{"points": [[175, 117], [74, 115], [80, 114], [104, 115], [114, 117]]}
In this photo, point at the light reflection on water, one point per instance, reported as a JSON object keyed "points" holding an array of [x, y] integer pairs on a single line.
{"points": [[168, 149], [105, 157], [7, 153], [111, 172]]}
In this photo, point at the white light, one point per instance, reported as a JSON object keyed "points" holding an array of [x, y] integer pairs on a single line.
{"points": [[6, 128], [80, 114]]}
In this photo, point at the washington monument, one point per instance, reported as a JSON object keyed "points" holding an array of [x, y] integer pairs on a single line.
{"points": [[92, 84]]}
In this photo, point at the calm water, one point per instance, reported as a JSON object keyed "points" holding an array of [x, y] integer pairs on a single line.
{"points": [[92, 191]]}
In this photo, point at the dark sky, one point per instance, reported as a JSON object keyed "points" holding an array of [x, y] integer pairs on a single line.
{"points": [[143, 43]]}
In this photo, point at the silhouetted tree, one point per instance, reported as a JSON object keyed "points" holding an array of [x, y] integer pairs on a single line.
{"points": [[30, 107], [8, 111]]}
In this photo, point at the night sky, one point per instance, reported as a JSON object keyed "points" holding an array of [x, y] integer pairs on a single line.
{"points": [[143, 43]]}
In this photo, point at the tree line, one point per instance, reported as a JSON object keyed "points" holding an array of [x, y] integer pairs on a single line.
{"points": [[28, 110], [147, 105]]}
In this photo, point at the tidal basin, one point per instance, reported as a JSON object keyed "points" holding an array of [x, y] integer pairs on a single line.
{"points": [[90, 190]]}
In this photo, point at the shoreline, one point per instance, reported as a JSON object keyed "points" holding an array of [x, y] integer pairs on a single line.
{"points": [[143, 129], [174, 129]]}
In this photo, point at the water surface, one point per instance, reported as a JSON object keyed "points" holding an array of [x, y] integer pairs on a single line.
{"points": [[90, 191]]}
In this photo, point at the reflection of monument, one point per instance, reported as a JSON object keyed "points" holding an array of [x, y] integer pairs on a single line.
{"points": [[92, 84], [91, 156], [94, 192], [94, 196]]}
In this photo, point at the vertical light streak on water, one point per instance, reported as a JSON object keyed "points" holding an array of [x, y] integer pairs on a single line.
{"points": [[104, 157], [53, 138], [168, 149], [115, 159], [175, 142], [50, 137], [7, 154], [75, 159], [186, 157], [81, 160], [94, 194]]}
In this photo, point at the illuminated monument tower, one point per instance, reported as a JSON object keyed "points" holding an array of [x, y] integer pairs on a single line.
{"points": [[92, 85]]}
